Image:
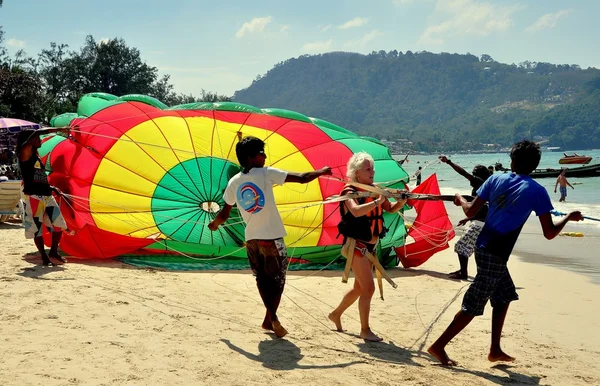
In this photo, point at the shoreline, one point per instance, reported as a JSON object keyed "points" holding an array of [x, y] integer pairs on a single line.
{"points": [[572, 254]]}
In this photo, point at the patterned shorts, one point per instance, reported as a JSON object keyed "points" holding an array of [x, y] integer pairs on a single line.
{"points": [[41, 210], [268, 259], [466, 245], [492, 282]]}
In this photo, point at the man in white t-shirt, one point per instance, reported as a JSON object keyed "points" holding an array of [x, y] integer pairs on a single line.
{"points": [[252, 191]]}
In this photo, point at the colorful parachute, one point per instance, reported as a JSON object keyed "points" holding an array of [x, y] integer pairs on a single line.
{"points": [[146, 179]]}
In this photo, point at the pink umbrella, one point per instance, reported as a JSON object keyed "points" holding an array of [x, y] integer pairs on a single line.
{"points": [[9, 127]]}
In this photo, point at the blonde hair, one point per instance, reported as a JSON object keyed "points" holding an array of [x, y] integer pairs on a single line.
{"points": [[355, 163]]}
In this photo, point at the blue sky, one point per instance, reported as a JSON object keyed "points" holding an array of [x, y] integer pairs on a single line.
{"points": [[222, 46]]}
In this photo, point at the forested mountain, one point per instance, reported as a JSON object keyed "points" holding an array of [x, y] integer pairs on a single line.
{"points": [[427, 101]]}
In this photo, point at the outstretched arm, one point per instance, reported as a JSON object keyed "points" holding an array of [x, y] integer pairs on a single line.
{"points": [[50, 130], [569, 184], [456, 168], [222, 216], [470, 208], [393, 208], [550, 229], [359, 210], [304, 178]]}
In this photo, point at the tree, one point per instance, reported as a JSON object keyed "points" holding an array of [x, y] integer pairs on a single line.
{"points": [[485, 58], [57, 98], [110, 66]]}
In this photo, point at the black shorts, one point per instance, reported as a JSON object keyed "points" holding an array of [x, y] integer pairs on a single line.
{"points": [[492, 282]]}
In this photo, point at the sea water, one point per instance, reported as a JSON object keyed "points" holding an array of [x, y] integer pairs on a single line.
{"points": [[585, 197]]}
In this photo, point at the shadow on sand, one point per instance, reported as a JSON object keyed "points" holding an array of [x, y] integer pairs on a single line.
{"points": [[281, 354], [511, 376]]}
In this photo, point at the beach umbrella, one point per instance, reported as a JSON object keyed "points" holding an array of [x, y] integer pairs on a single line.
{"points": [[14, 126], [10, 127]]}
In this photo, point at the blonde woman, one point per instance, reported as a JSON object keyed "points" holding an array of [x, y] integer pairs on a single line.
{"points": [[365, 215]]}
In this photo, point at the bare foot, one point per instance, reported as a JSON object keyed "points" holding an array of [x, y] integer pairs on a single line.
{"points": [[280, 332], [337, 320], [440, 355], [457, 275], [46, 262], [369, 336], [57, 256], [267, 324], [500, 356]]}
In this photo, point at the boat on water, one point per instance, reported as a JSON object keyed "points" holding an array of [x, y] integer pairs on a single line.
{"points": [[582, 171], [574, 159], [550, 148]]}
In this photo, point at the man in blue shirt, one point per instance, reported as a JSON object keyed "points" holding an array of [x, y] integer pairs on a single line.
{"points": [[512, 197]]}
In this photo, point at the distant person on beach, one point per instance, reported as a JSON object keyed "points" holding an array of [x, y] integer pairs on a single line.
{"points": [[418, 175], [512, 197], [402, 161], [562, 181], [466, 244], [500, 168], [252, 191], [491, 169], [40, 207]]}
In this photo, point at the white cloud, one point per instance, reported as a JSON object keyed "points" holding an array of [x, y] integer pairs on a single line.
{"points": [[548, 20], [324, 28], [320, 46], [362, 42], [468, 17], [257, 24], [356, 22], [284, 28], [15, 43]]}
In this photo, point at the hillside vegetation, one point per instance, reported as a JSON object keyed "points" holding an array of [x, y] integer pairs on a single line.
{"points": [[425, 101]]}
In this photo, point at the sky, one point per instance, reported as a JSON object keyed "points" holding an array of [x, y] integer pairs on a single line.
{"points": [[222, 46]]}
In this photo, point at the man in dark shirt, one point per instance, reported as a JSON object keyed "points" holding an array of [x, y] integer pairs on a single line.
{"points": [[418, 174], [40, 207], [465, 246]]}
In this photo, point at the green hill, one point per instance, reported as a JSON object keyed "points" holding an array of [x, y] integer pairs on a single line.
{"points": [[426, 101]]}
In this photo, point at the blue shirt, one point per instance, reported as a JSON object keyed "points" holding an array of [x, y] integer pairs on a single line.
{"points": [[512, 197]]}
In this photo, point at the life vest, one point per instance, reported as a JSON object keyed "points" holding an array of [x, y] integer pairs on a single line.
{"points": [[360, 227]]}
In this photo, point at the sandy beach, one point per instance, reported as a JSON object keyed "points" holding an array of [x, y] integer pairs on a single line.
{"points": [[107, 323]]}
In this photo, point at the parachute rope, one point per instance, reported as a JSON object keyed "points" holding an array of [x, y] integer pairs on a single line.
{"points": [[118, 218]]}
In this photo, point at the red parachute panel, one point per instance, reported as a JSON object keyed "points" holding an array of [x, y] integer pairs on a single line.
{"points": [[431, 230]]}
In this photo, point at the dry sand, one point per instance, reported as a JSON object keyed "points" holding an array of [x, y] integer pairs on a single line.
{"points": [[107, 323]]}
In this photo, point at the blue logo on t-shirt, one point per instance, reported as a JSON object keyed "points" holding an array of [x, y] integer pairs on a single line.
{"points": [[250, 198]]}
